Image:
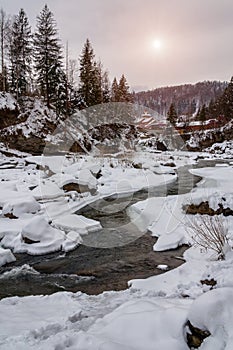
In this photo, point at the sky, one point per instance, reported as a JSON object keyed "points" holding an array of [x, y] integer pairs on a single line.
{"points": [[153, 42]]}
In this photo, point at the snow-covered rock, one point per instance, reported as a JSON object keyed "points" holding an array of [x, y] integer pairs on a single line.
{"points": [[38, 237], [77, 223], [6, 256], [73, 239], [19, 206], [213, 311], [47, 190]]}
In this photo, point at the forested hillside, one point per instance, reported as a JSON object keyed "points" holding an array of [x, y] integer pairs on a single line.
{"points": [[186, 98]]}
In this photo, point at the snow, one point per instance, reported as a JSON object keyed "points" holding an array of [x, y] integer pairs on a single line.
{"points": [[138, 325], [72, 241], [165, 217], [213, 311], [77, 222], [32, 194], [20, 206], [7, 101], [39, 115], [162, 267], [103, 322], [225, 149], [6, 256], [183, 281], [47, 190], [154, 311], [46, 238]]}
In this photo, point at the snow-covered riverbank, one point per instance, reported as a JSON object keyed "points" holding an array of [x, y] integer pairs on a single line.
{"points": [[152, 313], [38, 210]]}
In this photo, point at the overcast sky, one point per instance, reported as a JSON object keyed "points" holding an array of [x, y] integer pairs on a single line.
{"points": [[195, 36]]}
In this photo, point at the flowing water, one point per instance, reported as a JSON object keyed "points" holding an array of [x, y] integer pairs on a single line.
{"points": [[92, 268]]}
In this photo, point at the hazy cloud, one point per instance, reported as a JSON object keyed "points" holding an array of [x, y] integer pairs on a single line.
{"points": [[196, 36]]}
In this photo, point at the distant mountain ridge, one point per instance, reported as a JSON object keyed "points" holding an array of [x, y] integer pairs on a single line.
{"points": [[187, 98]]}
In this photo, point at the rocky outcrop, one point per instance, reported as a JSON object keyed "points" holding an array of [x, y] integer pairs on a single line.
{"points": [[32, 144], [26, 124]]}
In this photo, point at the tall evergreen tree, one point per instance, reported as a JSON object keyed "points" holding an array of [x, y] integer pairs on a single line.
{"points": [[4, 28], [20, 50], [115, 91], [106, 87], [48, 56], [90, 86], [123, 90], [172, 114]]}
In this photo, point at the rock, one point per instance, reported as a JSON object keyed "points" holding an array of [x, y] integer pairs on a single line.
{"points": [[28, 240], [161, 146], [137, 165], [78, 188], [99, 174], [195, 336], [171, 164], [204, 209], [209, 282], [10, 216], [73, 187]]}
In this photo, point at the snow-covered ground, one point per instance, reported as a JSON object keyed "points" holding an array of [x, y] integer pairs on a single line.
{"points": [[152, 313]]}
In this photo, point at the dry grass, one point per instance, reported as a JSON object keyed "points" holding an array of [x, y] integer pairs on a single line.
{"points": [[209, 232]]}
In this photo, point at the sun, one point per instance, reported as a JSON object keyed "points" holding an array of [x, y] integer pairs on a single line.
{"points": [[157, 44]]}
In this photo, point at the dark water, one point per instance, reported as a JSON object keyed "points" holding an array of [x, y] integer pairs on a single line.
{"points": [[92, 268]]}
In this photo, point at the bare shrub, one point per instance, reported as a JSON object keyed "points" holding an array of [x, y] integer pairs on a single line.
{"points": [[210, 232]]}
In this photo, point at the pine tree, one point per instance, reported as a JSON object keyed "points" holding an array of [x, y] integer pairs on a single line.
{"points": [[123, 90], [48, 56], [115, 91], [20, 50], [90, 86], [172, 114]]}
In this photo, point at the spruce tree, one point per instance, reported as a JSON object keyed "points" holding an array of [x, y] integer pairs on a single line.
{"points": [[90, 87], [20, 50], [115, 91], [48, 56], [106, 87], [123, 90], [172, 114]]}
